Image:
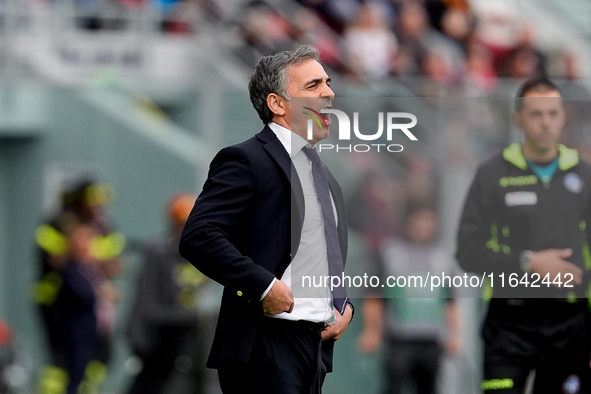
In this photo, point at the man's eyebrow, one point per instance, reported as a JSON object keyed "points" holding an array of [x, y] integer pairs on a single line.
{"points": [[316, 81]]}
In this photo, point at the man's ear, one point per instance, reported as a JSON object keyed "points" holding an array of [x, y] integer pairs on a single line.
{"points": [[276, 104], [517, 119], [562, 117]]}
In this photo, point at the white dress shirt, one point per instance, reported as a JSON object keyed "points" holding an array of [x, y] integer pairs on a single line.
{"points": [[315, 304]]}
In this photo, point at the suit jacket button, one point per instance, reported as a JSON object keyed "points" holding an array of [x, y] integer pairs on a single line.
{"points": [[239, 293]]}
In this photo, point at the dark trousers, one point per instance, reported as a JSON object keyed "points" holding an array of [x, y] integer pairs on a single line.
{"points": [[412, 363], [553, 342], [159, 363], [286, 359]]}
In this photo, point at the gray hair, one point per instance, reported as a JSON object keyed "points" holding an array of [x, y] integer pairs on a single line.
{"points": [[270, 76]]}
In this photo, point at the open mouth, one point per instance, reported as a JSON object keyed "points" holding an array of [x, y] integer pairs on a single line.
{"points": [[320, 117], [326, 116]]}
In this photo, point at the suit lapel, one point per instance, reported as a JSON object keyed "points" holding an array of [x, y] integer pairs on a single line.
{"points": [[275, 149], [277, 152]]}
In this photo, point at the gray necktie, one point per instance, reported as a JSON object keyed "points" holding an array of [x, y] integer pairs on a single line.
{"points": [[335, 259]]}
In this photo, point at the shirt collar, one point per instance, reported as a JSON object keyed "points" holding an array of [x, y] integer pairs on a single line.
{"points": [[292, 142]]}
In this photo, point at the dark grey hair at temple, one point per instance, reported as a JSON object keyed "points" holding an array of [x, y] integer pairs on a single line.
{"points": [[270, 76]]}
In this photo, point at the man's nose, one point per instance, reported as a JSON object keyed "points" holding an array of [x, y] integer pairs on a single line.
{"points": [[327, 92], [546, 120]]}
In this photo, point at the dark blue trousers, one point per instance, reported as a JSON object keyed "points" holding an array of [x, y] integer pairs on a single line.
{"points": [[286, 359]]}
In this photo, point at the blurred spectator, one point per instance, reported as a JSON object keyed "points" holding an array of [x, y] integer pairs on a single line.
{"points": [[370, 44], [163, 323], [437, 74], [566, 69], [168, 10], [308, 28], [415, 325], [263, 30], [411, 28], [419, 168], [7, 356], [417, 40], [82, 206], [577, 97], [435, 10], [376, 202], [76, 343], [14, 365], [77, 308], [182, 16], [480, 77], [457, 25], [521, 63], [337, 13], [498, 27], [165, 7], [525, 61]]}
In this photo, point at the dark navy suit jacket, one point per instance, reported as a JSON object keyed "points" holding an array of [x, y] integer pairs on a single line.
{"points": [[244, 230]]}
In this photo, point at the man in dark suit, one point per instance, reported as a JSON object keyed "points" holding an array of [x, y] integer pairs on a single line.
{"points": [[259, 226]]}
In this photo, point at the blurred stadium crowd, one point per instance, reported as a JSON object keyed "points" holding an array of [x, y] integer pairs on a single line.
{"points": [[434, 47]]}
